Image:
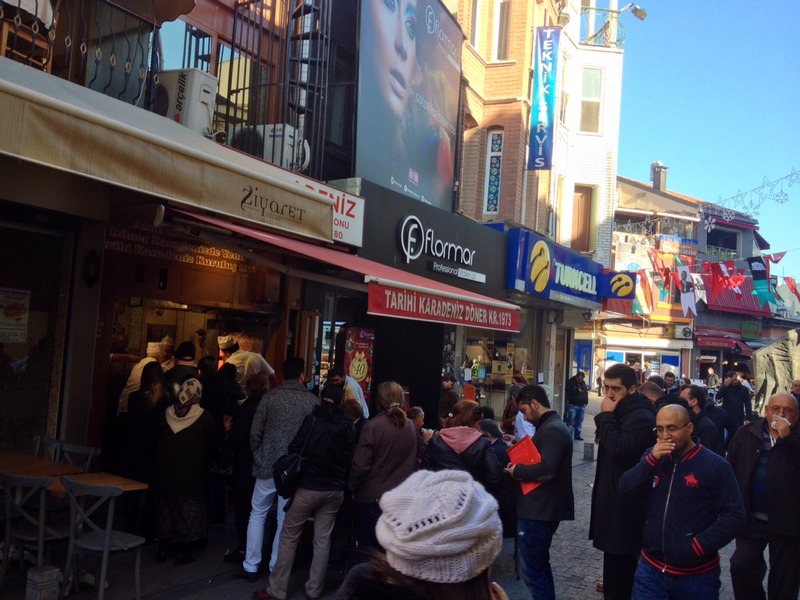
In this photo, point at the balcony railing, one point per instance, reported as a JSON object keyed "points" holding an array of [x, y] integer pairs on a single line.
{"points": [[722, 253]]}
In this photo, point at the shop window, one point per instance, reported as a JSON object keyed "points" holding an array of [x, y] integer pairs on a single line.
{"points": [[494, 164], [502, 31], [590, 100]]}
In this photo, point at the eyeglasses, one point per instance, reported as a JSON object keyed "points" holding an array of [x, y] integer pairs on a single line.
{"points": [[613, 388], [780, 410], [670, 429]]}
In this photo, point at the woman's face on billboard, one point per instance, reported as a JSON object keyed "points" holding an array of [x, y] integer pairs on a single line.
{"points": [[394, 24]]}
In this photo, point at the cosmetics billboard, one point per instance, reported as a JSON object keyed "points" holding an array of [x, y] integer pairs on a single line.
{"points": [[408, 93]]}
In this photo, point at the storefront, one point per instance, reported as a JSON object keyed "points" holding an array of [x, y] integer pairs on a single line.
{"points": [[564, 289]]}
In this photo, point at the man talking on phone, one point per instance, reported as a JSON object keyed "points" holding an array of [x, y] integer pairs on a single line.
{"points": [[624, 431], [765, 456]]}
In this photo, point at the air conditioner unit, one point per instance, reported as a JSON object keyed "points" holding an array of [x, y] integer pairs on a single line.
{"points": [[683, 333], [188, 97], [275, 143]]}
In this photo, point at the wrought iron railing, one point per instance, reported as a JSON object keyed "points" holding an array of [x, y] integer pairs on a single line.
{"points": [[601, 27], [723, 253]]}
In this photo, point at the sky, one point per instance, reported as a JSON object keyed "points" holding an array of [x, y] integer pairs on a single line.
{"points": [[711, 88]]}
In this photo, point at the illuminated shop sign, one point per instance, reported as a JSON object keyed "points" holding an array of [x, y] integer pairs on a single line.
{"points": [[540, 267]]}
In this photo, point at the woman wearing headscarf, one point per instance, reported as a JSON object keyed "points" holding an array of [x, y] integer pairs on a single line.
{"points": [[181, 476], [385, 455], [328, 438]]}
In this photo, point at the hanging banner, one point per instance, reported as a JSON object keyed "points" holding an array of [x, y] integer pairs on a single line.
{"points": [[760, 279], [688, 303], [792, 287], [543, 105], [699, 288]]}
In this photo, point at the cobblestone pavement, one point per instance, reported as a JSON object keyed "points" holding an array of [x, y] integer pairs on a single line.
{"points": [[577, 566]]}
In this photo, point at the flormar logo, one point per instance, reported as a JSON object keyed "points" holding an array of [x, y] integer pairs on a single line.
{"points": [[415, 240], [434, 28]]}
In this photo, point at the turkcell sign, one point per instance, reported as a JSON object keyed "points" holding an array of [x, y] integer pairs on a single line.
{"points": [[538, 266], [543, 105]]}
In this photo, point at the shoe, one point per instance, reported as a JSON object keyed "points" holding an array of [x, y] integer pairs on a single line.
{"points": [[246, 575], [233, 557], [263, 595], [578, 439], [600, 587]]}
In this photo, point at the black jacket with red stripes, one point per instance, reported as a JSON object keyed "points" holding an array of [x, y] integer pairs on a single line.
{"points": [[694, 508]]}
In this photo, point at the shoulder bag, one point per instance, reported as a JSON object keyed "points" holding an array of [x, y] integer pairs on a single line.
{"points": [[288, 469]]}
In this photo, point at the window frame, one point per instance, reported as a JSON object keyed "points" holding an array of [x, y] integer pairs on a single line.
{"points": [[591, 100]]}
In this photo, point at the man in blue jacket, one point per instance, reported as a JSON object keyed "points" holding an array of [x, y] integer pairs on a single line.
{"points": [[694, 508]]}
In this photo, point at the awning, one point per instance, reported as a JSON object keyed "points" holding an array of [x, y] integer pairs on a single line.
{"points": [[745, 303], [52, 122], [392, 292], [725, 343]]}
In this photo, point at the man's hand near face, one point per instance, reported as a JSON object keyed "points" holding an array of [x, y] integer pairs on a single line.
{"points": [[607, 404]]}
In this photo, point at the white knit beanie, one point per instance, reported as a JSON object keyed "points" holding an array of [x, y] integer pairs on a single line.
{"points": [[440, 526]]}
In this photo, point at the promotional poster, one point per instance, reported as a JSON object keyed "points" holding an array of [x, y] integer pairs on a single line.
{"points": [[409, 81]]}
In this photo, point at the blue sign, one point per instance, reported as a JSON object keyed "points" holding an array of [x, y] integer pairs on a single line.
{"points": [[543, 268], [543, 105]]}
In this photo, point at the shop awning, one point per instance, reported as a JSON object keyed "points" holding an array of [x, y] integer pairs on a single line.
{"points": [[745, 303], [722, 342], [52, 122], [392, 292]]}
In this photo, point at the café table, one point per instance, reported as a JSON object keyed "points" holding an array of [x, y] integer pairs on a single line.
{"points": [[28, 465], [98, 478]]}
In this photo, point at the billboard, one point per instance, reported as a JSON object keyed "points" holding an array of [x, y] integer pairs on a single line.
{"points": [[408, 91]]}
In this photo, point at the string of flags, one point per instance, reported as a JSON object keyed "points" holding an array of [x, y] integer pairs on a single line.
{"points": [[701, 281]]}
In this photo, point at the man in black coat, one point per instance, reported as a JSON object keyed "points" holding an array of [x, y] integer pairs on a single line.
{"points": [[735, 400], [625, 430], [540, 511], [704, 429], [577, 398], [765, 457]]}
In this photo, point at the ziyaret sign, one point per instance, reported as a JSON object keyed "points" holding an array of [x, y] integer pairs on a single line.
{"points": [[421, 306]]}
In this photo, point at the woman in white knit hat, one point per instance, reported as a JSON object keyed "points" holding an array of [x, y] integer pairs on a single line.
{"points": [[441, 533]]}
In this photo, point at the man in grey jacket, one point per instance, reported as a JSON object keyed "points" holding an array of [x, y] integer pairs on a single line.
{"points": [[278, 417], [540, 510]]}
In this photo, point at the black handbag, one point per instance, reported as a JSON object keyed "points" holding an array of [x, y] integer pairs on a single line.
{"points": [[223, 463], [288, 469]]}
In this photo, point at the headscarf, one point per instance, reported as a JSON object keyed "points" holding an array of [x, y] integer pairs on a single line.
{"points": [[185, 411]]}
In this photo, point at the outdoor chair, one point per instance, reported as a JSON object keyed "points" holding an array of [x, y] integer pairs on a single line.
{"points": [[47, 447], [25, 518], [89, 506], [78, 456]]}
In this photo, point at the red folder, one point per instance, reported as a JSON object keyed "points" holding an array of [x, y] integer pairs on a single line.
{"points": [[525, 453]]}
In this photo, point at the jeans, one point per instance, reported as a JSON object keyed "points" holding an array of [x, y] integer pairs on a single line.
{"points": [[263, 495], [322, 506], [651, 584], [534, 539], [575, 415]]}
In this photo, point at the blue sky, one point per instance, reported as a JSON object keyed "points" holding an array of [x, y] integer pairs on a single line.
{"points": [[712, 89]]}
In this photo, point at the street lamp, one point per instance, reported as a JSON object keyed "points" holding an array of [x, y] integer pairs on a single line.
{"points": [[636, 11]]}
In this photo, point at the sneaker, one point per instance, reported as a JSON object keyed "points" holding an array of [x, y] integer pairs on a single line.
{"points": [[246, 575], [578, 439]]}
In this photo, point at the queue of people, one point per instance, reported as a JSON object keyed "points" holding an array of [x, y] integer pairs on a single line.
{"points": [[677, 478]]}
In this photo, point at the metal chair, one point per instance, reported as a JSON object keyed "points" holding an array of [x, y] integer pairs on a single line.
{"points": [[87, 533], [47, 447], [78, 456], [25, 509]]}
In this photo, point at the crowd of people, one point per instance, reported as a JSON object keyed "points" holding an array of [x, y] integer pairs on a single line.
{"points": [[422, 512]]}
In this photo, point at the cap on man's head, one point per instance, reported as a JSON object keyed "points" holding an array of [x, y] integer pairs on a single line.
{"points": [[226, 341], [168, 341], [185, 351]]}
